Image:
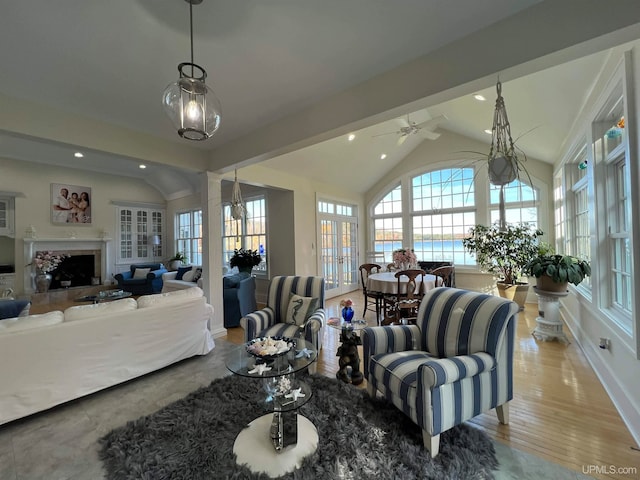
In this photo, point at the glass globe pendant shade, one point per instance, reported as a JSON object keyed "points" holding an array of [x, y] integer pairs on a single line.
{"points": [[191, 106]]}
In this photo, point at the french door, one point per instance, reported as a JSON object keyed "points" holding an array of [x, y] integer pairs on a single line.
{"points": [[338, 255]]}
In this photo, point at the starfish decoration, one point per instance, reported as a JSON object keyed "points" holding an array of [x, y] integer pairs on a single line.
{"points": [[295, 394], [305, 352], [260, 368]]}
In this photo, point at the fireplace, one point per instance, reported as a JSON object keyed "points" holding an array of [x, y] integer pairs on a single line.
{"points": [[87, 258], [74, 271]]}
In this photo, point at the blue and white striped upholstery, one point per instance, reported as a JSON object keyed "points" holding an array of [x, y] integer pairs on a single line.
{"points": [[455, 363], [270, 321]]}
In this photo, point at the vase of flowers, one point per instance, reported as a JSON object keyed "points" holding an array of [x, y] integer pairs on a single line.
{"points": [[404, 258], [347, 309], [45, 263], [245, 259]]}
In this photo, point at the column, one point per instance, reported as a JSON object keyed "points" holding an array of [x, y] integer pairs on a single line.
{"points": [[212, 248]]}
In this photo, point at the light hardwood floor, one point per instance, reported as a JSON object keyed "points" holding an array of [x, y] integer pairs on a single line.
{"points": [[560, 411]]}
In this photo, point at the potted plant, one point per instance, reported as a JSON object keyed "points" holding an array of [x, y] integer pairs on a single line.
{"points": [[178, 259], [504, 253], [555, 272], [245, 259]]}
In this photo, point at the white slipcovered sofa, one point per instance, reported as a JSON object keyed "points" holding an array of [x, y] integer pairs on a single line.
{"points": [[170, 283], [49, 359]]}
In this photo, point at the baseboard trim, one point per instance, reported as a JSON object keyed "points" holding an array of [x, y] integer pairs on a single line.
{"points": [[220, 332], [627, 410]]}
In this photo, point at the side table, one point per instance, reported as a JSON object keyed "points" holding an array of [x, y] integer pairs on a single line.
{"points": [[549, 324], [292, 436], [349, 360]]}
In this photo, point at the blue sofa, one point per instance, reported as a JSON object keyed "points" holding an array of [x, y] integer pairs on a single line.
{"points": [[14, 308], [239, 297], [151, 283]]}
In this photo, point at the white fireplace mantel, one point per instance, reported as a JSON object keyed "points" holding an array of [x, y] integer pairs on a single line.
{"points": [[33, 245]]}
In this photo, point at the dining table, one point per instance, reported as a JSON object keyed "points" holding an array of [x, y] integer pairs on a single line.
{"points": [[387, 283]]}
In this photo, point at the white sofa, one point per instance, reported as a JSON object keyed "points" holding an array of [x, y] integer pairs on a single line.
{"points": [[49, 359], [170, 284]]}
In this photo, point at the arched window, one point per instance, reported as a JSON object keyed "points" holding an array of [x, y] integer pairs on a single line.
{"points": [[387, 223], [443, 211], [439, 208]]}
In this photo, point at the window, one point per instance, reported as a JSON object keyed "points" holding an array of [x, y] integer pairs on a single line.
{"points": [[613, 180], [250, 232], [140, 234], [387, 223], [619, 238], [443, 212], [189, 235], [441, 207], [520, 202]]}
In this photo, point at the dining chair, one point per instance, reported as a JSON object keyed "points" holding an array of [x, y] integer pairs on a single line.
{"points": [[405, 304], [372, 299], [445, 274]]}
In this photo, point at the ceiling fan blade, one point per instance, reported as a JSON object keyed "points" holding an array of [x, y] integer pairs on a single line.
{"points": [[401, 139], [428, 134], [403, 121], [381, 134], [432, 123]]}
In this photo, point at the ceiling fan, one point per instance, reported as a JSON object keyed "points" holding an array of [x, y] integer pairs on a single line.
{"points": [[424, 129]]}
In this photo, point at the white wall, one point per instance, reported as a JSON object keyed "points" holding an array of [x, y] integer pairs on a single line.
{"points": [[34, 208]]}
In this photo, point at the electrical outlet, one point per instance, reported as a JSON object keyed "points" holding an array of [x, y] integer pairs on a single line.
{"points": [[605, 343]]}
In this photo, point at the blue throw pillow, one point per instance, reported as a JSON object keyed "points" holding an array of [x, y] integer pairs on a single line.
{"points": [[182, 271]]}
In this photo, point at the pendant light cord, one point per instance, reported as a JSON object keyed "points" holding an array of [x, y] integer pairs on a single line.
{"points": [[191, 33]]}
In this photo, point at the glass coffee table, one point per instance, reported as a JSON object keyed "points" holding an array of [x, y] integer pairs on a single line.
{"points": [[104, 296], [292, 436]]}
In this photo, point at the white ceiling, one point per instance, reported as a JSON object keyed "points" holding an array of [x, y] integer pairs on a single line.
{"points": [[266, 59], [541, 107]]}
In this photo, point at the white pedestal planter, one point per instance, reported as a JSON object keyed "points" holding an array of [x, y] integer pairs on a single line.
{"points": [[549, 324]]}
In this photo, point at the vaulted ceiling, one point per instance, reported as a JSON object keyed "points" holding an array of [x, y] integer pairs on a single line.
{"points": [[89, 76]]}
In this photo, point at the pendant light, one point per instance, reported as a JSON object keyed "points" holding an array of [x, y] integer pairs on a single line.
{"points": [[192, 107]]}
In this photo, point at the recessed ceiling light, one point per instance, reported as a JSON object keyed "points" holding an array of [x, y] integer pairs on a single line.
{"points": [[351, 137], [383, 156], [142, 165], [487, 131], [78, 155], [479, 97]]}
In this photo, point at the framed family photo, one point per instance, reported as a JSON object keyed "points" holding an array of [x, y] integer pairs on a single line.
{"points": [[70, 204]]}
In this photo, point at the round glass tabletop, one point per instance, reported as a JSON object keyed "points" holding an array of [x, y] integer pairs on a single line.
{"points": [[242, 363], [340, 324]]}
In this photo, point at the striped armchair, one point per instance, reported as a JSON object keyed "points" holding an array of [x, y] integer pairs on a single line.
{"points": [[454, 364], [271, 320]]}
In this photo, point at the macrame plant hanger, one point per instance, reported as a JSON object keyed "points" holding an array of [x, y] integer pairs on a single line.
{"points": [[503, 160], [237, 205]]}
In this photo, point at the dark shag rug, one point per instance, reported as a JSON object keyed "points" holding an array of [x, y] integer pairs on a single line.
{"points": [[359, 438]]}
